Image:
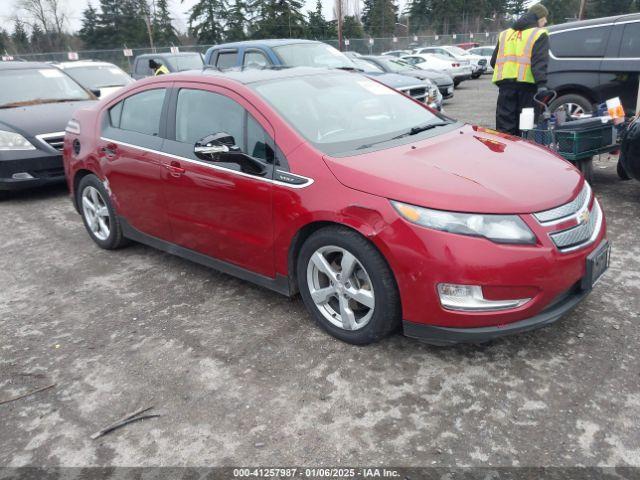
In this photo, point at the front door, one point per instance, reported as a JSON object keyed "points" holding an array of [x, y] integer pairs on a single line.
{"points": [[219, 209], [130, 136]]}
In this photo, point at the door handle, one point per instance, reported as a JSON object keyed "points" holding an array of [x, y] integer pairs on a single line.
{"points": [[175, 170], [110, 150]]}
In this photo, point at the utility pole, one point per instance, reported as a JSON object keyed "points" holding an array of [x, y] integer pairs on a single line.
{"points": [[339, 10], [148, 22], [583, 9]]}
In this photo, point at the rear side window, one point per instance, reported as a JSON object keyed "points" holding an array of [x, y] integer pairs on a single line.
{"points": [[140, 112], [630, 47], [587, 42], [227, 60]]}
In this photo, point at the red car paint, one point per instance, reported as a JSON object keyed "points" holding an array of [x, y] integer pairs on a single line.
{"points": [[254, 224]]}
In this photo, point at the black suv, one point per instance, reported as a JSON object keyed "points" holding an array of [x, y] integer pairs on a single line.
{"points": [[594, 60]]}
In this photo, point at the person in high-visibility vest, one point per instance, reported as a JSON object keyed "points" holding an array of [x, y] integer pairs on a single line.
{"points": [[157, 68], [519, 64]]}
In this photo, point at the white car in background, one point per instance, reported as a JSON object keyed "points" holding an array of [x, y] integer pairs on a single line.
{"points": [[478, 63], [456, 70], [101, 78], [397, 53], [485, 52]]}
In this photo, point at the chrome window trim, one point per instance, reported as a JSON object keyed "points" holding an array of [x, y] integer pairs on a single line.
{"points": [[213, 167]]}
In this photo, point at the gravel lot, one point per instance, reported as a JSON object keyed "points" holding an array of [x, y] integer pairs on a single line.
{"points": [[242, 376]]}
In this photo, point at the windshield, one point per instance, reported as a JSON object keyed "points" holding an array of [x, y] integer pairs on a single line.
{"points": [[397, 65], [38, 85], [312, 55], [341, 113], [98, 76], [187, 62], [366, 66], [458, 51]]}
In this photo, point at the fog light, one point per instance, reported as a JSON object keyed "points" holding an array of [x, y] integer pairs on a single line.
{"points": [[469, 298], [21, 176]]}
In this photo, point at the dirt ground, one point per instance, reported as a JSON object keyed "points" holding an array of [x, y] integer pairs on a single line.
{"points": [[242, 376]]}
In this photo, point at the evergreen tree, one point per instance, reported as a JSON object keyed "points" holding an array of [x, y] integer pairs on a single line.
{"points": [[5, 42], [278, 19], [379, 17], [318, 25], [206, 21], [606, 8], [236, 28], [561, 11], [163, 31], [352, 27], [38, 40], [419, 14], [516, 8], [88, 32], [19, 38]]}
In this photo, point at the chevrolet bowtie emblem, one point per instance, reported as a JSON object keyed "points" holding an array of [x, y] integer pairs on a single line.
{"points": [[584, 217]]}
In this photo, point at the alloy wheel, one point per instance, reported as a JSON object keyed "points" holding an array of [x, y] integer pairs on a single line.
{"points": [[574, 110], [340, 287], [96, 213]]}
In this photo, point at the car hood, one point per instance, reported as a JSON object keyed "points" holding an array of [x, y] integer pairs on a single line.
{"points": [[42, 118], [432, 75], [467, 169], [394, 80]]}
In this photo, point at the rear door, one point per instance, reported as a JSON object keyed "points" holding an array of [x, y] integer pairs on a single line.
{"points": [[129, 148]]}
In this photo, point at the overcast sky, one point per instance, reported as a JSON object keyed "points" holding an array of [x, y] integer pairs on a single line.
{"points": [[74, 9]]}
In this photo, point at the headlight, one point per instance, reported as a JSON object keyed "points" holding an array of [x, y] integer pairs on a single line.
{"points": [[498, 228], [14, 141]]}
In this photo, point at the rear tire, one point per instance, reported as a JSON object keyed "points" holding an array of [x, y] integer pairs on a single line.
{"points": [[98, 214], [575, 104], [622, 173], [347, 286]]}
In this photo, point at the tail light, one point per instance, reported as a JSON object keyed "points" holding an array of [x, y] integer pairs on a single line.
{"points": [[455, 65]]}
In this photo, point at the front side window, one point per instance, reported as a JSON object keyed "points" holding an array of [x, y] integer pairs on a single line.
{"points": [[255, 59], [630, 47], [30, 86], [139, 113], [200, 113], [259, 143], [340, 113], [586, 42], [226, 60]]}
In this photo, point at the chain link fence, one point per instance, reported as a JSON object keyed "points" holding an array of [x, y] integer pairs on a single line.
{"points": [[361, 45]]}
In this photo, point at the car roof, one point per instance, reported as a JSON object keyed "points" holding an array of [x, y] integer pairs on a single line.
{"points": [[272, 42], [24, 65], [84, 63], [253, 75], [167, 54], [594, 22]]}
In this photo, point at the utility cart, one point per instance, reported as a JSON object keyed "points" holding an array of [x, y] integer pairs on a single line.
{"points": [[576, 140]]}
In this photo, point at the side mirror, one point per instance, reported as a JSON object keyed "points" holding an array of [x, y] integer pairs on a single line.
{"points": [[221, 147]]}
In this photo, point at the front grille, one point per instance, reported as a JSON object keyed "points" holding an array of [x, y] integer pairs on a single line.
{"points": [[54, 140], [582, 234], [563, 212]]}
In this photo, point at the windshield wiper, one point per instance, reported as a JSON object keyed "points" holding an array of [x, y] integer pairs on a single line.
{"points": [[414, 131], [38, 101]]}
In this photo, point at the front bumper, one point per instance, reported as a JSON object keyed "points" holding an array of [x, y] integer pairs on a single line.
{"points": [[43, 168], [446, 91], [444, 336]]}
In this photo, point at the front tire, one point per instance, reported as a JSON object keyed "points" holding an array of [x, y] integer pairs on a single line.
{"points": [[586, 168], [575, 104], [98, 215], [622, 173], [347, 286]]}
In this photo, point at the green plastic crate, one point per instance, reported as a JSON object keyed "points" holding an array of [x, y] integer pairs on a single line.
{"points": [[576, 145]]}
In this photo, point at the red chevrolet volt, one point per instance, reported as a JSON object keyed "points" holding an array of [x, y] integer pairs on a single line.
{"points": [[380, 212]]}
